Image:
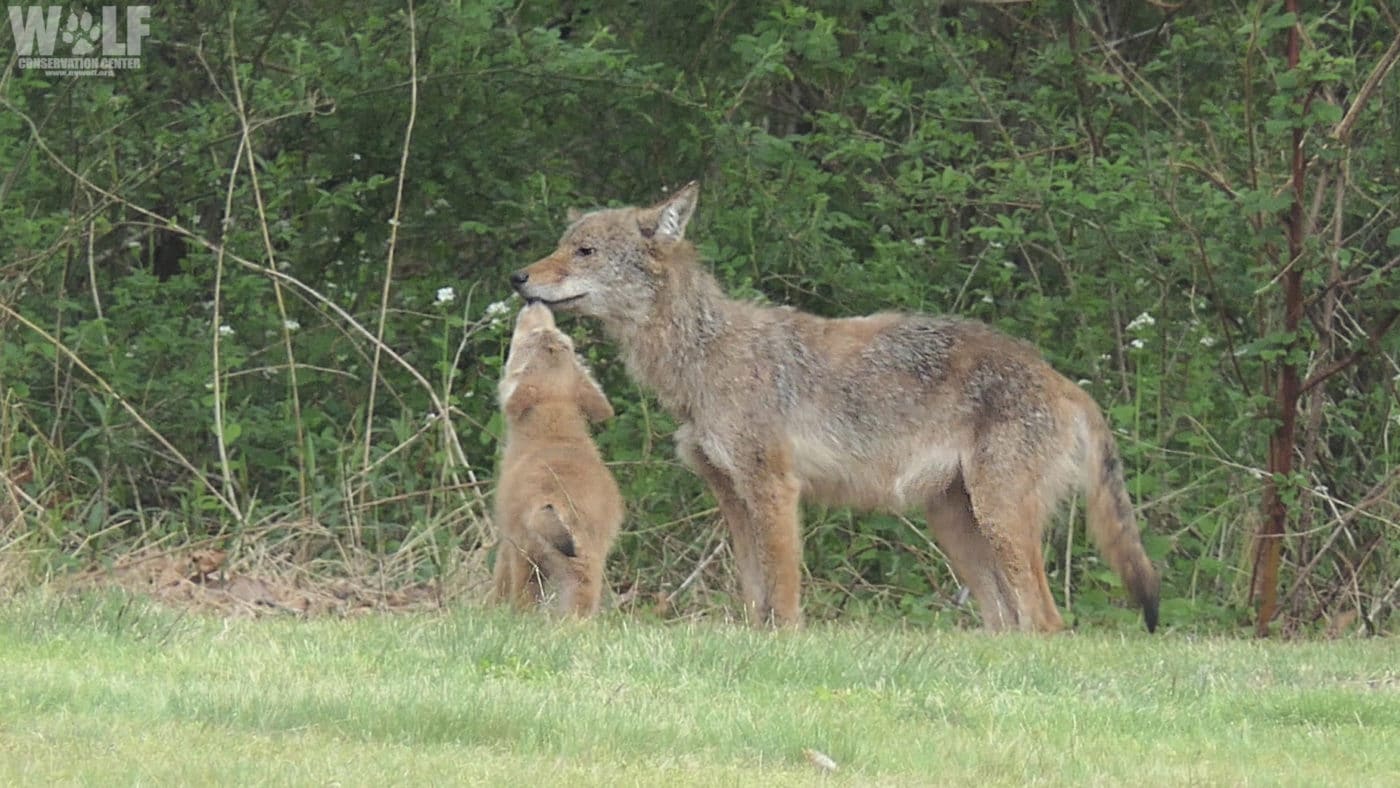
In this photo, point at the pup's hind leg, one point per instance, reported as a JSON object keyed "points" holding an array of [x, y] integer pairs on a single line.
{"points": [[581, 587], [504, 574], [517, 580], [972, 556]]}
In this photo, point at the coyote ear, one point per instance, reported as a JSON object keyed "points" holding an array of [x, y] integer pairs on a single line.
{"points": [[668, 218], [591, 399], [573, 215]]}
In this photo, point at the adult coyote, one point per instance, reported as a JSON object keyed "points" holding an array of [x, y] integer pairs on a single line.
{"points": [[557, 506], [888, 411]]}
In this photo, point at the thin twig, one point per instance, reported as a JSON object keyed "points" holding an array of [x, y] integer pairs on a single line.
{"points": [[700, 567], [393, 233], [303, 498], [1342, 131], [216, 333]]}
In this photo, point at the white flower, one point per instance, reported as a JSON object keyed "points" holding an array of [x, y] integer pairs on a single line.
{"points": [[1138, 343], [226, 330], [355, 156], [497, 311], [446, 295], [291, 325], [920, 241], [987, 299], [394, 222], [1207, 341], [1143, 320]]}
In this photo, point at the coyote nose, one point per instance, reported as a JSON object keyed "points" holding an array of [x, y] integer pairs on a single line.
{"points": [[519, 278]]}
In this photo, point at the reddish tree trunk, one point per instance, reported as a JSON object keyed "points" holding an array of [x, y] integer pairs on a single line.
{"points": [[1269, 542]]}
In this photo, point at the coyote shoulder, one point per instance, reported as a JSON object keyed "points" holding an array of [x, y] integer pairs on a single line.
{"points": [[557, 506], [887, 411]]}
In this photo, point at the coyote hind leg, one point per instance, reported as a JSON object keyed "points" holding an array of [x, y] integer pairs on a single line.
{"points": [[973, 558], [1013, 524]]}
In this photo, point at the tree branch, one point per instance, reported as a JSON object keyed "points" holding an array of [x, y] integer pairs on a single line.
{"points": [[1373, 339]]}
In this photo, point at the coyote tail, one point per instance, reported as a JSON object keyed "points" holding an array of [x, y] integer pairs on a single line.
{"points": [[1112, 524]]}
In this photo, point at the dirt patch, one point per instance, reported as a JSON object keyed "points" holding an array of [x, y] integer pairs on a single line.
{"points": [[210, 580]]}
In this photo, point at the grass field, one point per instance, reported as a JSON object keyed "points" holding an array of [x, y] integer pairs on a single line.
{"points": [[107, 689]]}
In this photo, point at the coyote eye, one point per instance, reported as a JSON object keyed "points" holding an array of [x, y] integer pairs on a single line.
{"points": [[583, 251]]}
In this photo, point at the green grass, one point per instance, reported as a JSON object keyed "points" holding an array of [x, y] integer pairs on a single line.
{"points": [[107, 689]]}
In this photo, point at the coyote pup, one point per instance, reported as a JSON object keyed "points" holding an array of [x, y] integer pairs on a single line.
{"points": [[557, 506], [889, 411]]}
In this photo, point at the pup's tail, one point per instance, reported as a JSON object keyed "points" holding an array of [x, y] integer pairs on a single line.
{"points": [[1111, 521], [547, 526]]}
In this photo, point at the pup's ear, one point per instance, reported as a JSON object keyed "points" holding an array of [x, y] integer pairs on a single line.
{"points": [[591, 399], [667, 219], [519, 401]]}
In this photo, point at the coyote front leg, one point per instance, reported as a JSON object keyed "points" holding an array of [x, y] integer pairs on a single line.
{"points": [[763, 529], [776, 532]]}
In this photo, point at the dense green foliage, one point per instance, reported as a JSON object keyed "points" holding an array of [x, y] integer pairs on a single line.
{"points": [[97, 687], [1110, 181]]}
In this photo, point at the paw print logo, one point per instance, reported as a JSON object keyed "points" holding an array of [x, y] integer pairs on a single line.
{"points": [[82, 32]]}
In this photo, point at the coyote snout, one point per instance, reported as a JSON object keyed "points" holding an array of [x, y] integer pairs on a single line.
{"points": [[558, 508], [887, 411]]}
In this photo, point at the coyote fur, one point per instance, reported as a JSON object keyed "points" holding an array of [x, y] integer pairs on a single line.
{"points": [[889, 411], [558, 508]]}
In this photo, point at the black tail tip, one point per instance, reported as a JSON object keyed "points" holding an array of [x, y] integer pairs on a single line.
{"points": [[1149, 612], [556, 534], [565, 544]]}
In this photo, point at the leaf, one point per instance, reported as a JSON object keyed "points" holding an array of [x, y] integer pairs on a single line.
{"points": [[231, 432]]}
